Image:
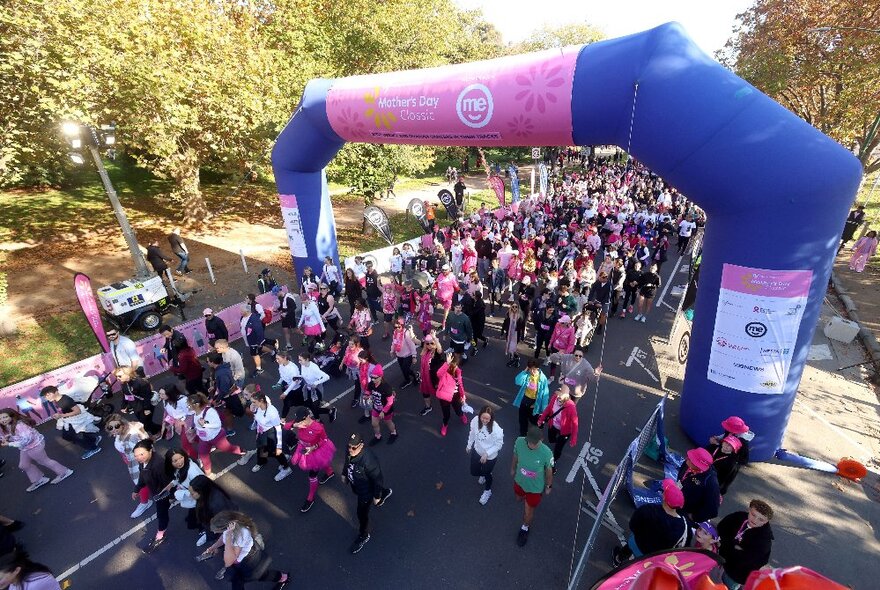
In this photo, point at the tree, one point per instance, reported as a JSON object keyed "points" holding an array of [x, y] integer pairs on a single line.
{"points": [[548, 37], [371, 169], [819, 60]]}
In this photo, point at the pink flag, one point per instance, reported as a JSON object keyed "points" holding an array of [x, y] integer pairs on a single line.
{"points": [[86, 296], [497, 185]]}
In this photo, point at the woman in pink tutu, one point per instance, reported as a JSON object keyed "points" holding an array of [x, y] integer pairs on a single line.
{"points": [[310, 323], [863, 249], [314, 452]]}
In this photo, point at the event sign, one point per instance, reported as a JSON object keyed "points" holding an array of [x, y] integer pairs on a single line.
{"points": [[515, 100], [416, 208], [543, 179], [379, 220], [293, 226], [514, 183], [756, 327], [448, 201], [86, 297], [497, 185]]}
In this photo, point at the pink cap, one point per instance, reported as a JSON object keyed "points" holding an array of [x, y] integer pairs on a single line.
{"points": [[565, 319], [672, 494], [735, 424], [700, 458], [377, 371], [208, 311], [734, 442]]}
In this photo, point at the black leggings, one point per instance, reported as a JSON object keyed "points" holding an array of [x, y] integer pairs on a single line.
{"points": [[558, 440], [267, 445], [253, 568], [542, 340], [405, 363], [630, 296], [444, 407], [85, 440], [294, 398], [525, 415], [482, 469], [162, 508]]}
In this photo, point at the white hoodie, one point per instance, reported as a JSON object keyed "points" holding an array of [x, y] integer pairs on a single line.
{"points": [[485, 442]]}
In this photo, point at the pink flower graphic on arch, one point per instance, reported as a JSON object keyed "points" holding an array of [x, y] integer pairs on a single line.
{"points": [[520, 126], [540, 86], [350, 124]]}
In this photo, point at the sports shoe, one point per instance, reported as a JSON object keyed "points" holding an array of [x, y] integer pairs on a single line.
{"points": [[616, 559], [289, 347], [333, 413], [256, 468], [203, 538], [484, 498], [392, 438], [622, 315], [38, 484], [307, 505], [481, 480], [355, 402], [643, 319], [426, 410], [325, 477], [463, 418], [141, 508], [98, 442], [283, 473], [385, 495], [62, 477], [358, 544], [246, 457], [256, 373], [637, 317], [522, 537], [154, 544], [443, 430], [91, 453]]}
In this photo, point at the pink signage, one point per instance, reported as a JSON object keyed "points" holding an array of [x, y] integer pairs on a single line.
{"points": [[766, 283], [89, 304], [519, 100], [687, 565]]}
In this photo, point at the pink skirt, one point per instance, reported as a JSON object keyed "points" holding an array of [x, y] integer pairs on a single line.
{"points": [[313, 330], [317, 460]]}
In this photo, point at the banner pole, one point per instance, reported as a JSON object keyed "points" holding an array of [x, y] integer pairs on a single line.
{"points": [[243, 261], [210, 271]]}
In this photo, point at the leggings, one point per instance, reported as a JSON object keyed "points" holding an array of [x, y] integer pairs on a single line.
{"points": [[405, 363], [363, 514], [29, 459], [203, 448], [525, 415], [542, 340], [630, 296], [482, 469], [253, 568], [86, 440], [444, 406], [294, 398], [558, 440], [162, 508]]}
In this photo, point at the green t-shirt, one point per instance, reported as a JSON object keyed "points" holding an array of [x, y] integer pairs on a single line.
{"points": [[530, 465]]}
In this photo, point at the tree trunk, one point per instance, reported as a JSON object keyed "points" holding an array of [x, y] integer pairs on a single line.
{"points": [[187, 193]]}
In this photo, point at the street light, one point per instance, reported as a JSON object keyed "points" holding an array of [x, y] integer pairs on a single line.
{"points": [[79, 135]]}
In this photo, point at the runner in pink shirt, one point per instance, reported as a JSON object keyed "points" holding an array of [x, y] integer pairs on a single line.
{"points": [[445, 288]]}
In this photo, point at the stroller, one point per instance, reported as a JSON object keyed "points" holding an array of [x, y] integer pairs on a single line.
{"points": [[586, 326], [85, 390], [331, 357]]}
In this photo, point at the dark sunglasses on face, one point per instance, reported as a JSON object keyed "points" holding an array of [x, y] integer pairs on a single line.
{"points": [[112, 427]]}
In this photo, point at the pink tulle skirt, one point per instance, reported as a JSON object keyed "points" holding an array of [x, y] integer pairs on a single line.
{"points": [[317, 460], [312, 330]]}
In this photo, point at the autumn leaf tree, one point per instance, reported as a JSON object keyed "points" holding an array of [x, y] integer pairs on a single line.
{"points": [[819, 59]]}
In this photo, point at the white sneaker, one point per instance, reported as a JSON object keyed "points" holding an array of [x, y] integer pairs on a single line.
{"points": [[283, 473], [38, 484], [638, 317], [256, 468], [203, 538], [484, 498], [246, 457], [62, 477], [643, 319], [141, 508], [481, 480]]}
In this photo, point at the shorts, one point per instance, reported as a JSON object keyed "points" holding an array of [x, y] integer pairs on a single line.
{"points": [[647, 293], [457, 347], [388, 415], [389, 317], [288, 321], [255, 350], [531, 499]]}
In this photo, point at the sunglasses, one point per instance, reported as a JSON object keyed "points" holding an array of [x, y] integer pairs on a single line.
{"points": [[112, 427], [112, 334], [578, 356]]}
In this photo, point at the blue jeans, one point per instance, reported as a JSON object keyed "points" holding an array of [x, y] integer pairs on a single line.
{"points": [[184, 262]]}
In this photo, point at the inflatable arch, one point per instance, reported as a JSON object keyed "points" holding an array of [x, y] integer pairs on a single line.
{"points": [[776, 190]]}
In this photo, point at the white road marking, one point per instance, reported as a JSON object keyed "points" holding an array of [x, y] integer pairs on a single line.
{"points": [[668, 282], [637, 355], [618, 532], [591, 454]]}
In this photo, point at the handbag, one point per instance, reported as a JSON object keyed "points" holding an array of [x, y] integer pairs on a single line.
{"points": [[551, 416]]}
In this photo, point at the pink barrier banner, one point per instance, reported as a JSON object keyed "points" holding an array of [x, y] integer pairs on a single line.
{"points": [[497, 185], [83, 286], [516, 100], [26, 394]]}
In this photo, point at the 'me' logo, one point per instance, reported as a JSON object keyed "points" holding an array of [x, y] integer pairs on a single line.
{"points": [[474, 106]]}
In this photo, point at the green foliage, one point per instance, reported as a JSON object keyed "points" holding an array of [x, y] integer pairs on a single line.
{"points": [[370, 169], [819, 60], [548, 37]]}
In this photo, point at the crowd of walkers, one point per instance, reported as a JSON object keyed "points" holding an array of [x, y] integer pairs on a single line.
{"points": [[554, 270]]}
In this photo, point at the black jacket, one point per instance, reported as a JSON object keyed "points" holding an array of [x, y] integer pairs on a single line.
{"points": [[655, 530], [702, 495], [157, 259], [216, 329], [364, 474], [153, 475], [743, 557]]}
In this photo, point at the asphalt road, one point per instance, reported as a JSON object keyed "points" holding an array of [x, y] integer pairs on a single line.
{"points": [[431, 529]]}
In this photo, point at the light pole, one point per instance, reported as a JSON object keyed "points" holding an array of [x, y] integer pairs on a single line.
{"points": [[80, 136]]}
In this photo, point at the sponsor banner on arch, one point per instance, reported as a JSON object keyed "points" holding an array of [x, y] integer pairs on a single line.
{"points": [[756, 327], [518, 100]]}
